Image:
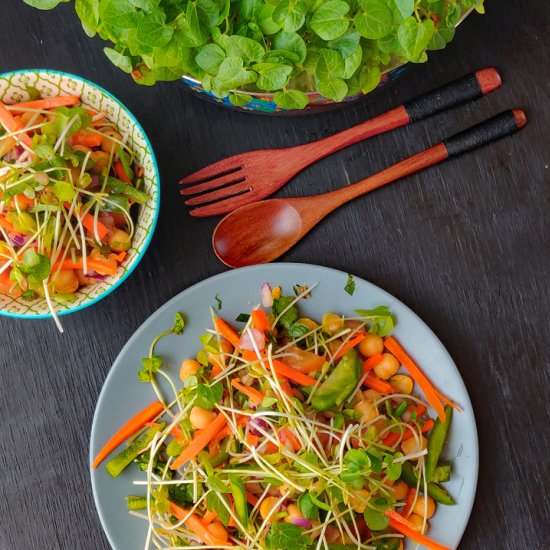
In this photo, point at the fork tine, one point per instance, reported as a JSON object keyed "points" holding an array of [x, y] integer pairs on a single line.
{"points": [[233, 178], [219, 194], [221, 207], [220, 168]]}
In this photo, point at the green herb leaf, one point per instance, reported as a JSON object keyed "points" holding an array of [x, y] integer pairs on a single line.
{"points": [[208, 395], [290, 14], [179, 323], [219, 302], [350, 285], [214, 503], [153, 363], [123, 62], [272, 76], [376, 19], [36, 266], [328, 20], [375, 518], [414, 38], [286, 536], [63, 190], [242, 317], [291, 99], [307, 507], [44, 4], [381, 317]]}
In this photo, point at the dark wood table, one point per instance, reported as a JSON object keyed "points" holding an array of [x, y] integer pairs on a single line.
{"points": [[466, 245]]}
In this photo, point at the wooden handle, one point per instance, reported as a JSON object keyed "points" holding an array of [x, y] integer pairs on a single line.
{"points": [[497, 127], [464, 89]]}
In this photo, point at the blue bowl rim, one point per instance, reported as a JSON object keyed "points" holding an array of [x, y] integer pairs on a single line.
{"points": [[147, 241]]}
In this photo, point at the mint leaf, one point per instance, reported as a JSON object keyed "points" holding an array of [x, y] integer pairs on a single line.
{"points": [[36, 266], [328, 20], [380, 317], [350, 285], [208, 395]]}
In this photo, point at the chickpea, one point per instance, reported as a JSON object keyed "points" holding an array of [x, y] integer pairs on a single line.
{"points": [[82, 149], [418, 521], [267, 505], [216, 529], [332, 534], [334, 345], [381, 425], [410, 446], [358, 501], [6, 145], [65, 282], [402, 383], [367, 411], [108, 143], [119, 240], [400, 490], [371, 345], [332, 323], [200, 418], [226, 347], [387, 367], [352, 324], [309, 323], [419, 506], [293, 513], [189, 367], [371, 395], [101, 160], [84, 280]]}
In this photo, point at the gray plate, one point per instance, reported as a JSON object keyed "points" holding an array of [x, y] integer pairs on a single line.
{"points": [[122, 395]]}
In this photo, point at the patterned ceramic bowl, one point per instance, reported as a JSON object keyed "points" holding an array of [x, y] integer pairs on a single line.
{"points": [[13, 89]]}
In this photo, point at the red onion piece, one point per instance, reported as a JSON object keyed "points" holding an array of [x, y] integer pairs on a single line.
{"points": [[246, 340], [267, 298], [304, 523], [257, 423], [18, 239]]}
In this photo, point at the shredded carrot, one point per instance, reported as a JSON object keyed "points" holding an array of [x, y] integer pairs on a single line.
{"points": [[104, 267], [200, 441], [130, 428], [215, 370], [417, 537], [282, 369], [391, 439], [6, 224], [285, 386], [252, 439], [409, 501], [175, 431], [227, 430], [271, 448], [259, 318], [286, 434], [22, 199], [194, 523], [5, 282], [88, 223], [227, 332], [392, 514], [428, 425], [377, 384], [118, 258], [87, 139], [420, 411], [209, 517], [249, 355], [251, 499], [351, 343], [255, 396], [121, 173], [47, 103], [371, 362], [12, 124], [429, 390]]}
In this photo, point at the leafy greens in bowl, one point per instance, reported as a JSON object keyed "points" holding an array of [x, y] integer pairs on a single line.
{"points": [[287, 48]]}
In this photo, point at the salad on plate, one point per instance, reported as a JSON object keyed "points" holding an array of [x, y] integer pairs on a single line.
{"points": [[290, 433]]}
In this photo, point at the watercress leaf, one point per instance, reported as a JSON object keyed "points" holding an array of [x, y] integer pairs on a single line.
{"points": [[152, 30], [214, 503], [123, 62], [44, 4], [357, 460], [36, 266], [329, 21], [375, 20], [210, 58], [393, 469], [120, 14], [247, 8], [272, 76], [290, 41], [350, 285], [375, 518], [290, 14], [144, 376], [246, 48], [442, 36], [179, 323], [63, 190], [153, 363], [287, 536], [414, 38], [208, 395], [264, 18], [147, 5], [232, 74], [307, 507]]}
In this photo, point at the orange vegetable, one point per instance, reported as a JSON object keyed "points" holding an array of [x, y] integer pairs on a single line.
{"points": [[431, 393], [121, 173], [252, 439], [251, 499], [22, 199], [392, 514], [381, 386], [6, 284], [209, 517], [12, 124], [227, 332], [249, 355], [6, 224], [105, 267], [282, 369], [88, 223], [417, 537], [391, 439], [130, 428], [304, 361], [286, 434], [193, 522], [48, 103], [119, 258], [351, 343], [285, 386], [259, 318], [87, 139], [227, 430], [371, 362], [411, 495], [200, 441], [255, 396]]}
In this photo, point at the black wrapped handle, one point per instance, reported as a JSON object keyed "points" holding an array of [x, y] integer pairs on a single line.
{"points": [[499, 126], [456, 93]]}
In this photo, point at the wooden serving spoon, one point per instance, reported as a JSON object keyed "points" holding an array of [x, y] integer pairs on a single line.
{"points": [[261, 231]]}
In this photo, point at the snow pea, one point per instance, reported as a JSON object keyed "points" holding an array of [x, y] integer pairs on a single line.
{"points": [[238, 491], [436, 441], [339, 384], [438, 493]]}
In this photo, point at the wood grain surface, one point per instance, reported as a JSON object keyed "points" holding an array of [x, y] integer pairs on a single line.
{"points": [[466, 245]]}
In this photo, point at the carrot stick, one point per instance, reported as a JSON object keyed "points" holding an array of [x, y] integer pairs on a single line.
{"points": [[251, 499], [22, 199], [200, 441], [351, 343], [227, 332], [371, 362], [249, 356], [47, 103], [209, 516], [121, 173], [118, 258], [285, 386], [130, 428], [392, 514], [228, 430], [377, 384], [101, 266], [255, 396], [391, 439], [419, 377], [88, 223], [288, 434], [417, 537], [86, 139], [411, 495], [193, 522], [6, 224], [252, 439], [12, 124], [259, 318], [282, 369]]}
